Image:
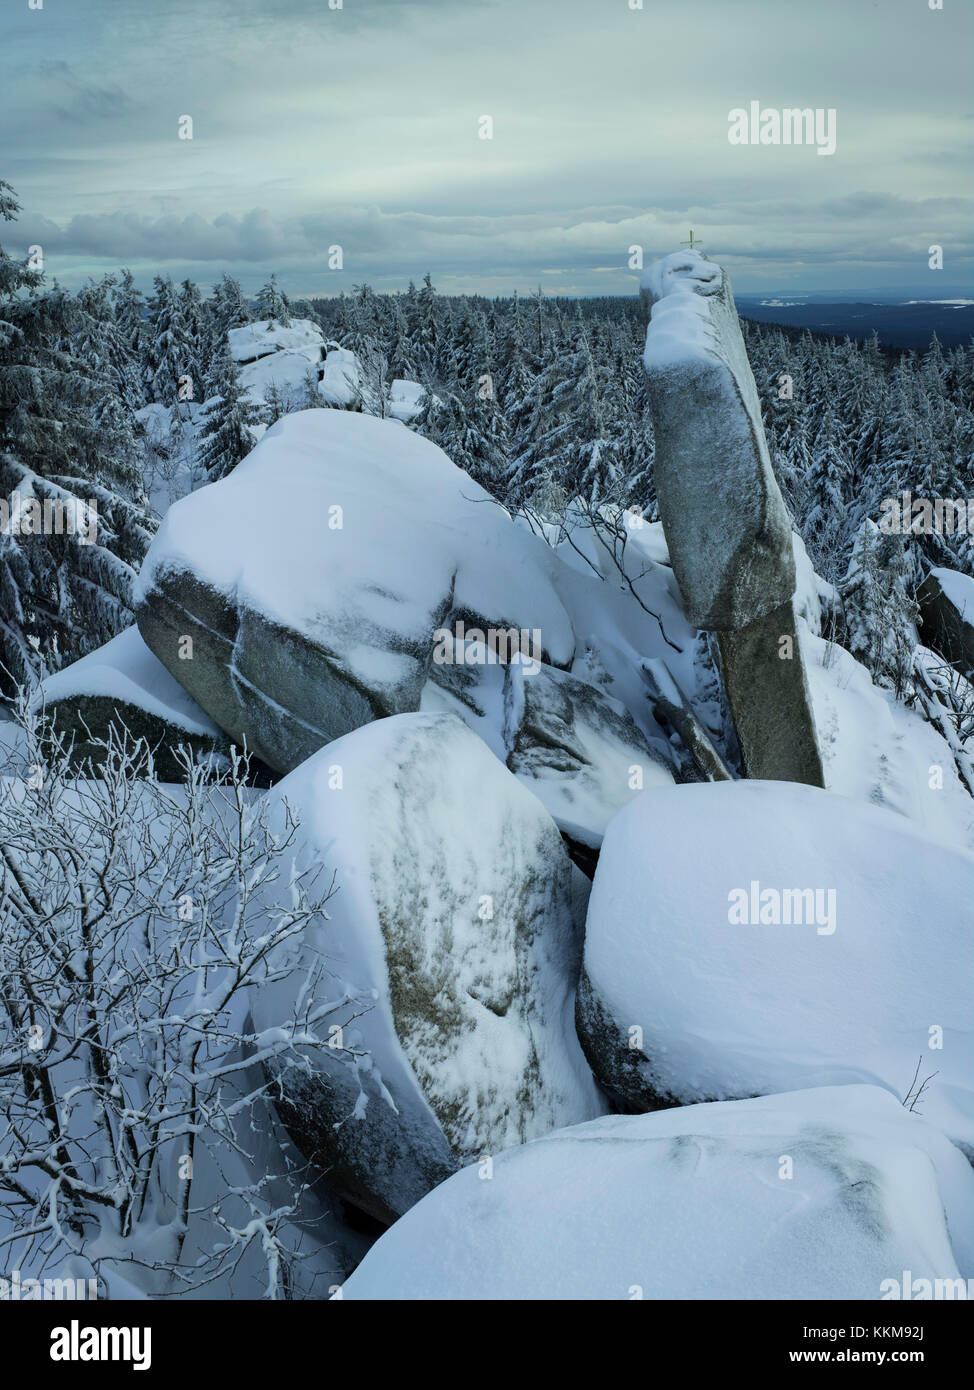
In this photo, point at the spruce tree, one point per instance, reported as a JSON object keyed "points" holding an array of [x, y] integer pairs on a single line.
{"points": [[77, 527], [272, 305], [225, 438], [230, 309], [170, 356]]}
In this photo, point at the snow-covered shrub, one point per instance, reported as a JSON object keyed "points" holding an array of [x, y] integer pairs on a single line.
{"points": [[137, 918]]}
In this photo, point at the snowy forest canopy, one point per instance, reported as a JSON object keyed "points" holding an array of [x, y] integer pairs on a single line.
{"points": [[541, 400]]}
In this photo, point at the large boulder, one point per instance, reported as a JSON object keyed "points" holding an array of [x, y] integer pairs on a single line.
{"points": [[406, 400], [310, 581], [341, 379], [268, 336], [455, 935], [823, 1194], [122, 685], [751, 937], [283, 360], [946, 600], [725, 522], [292, 376]]}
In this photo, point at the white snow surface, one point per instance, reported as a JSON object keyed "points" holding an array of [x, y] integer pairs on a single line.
{"points": [[731, 1010], [691, 1204], [876, 750], [259, 339], [125, 669]]}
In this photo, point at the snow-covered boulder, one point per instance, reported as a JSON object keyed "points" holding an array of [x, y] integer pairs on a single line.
{"points": [[820, 1194], [124, 685], [725, 521], [276, 359], [260, 339], [406, 400], [292, 375], [752, 937], [575, 747], [311, 581], [341, 379], [456, 935], [946, 599]]}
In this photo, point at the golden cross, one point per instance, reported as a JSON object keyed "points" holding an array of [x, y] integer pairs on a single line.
{"points": [[693, 245]]}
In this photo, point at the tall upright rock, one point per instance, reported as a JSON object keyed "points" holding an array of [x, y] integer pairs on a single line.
{"points": [[723, 515]]}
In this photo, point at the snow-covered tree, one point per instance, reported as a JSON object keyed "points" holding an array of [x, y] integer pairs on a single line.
{"points": [[273, 305], [170, 359], [230, 309], [225, 437], [880, 612], [138, 920], [77, 524]]}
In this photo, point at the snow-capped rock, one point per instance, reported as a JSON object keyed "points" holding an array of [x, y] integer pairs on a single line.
{"points": [[406, 400], [725, 521], [820, 1194], [752, 937], [122, 683], [341, 379], [946, 599], [718, 498], [287, 373], [259, 339], [313, 578], [456, 935]]}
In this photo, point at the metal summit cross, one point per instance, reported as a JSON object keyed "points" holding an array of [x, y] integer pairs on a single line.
{"points": [[693, 245]]}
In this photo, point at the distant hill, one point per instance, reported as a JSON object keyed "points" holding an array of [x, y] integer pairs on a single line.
{"points": [[902, 325]]}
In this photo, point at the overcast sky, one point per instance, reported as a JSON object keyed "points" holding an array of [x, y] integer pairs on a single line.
{"points": [[359, 127]]}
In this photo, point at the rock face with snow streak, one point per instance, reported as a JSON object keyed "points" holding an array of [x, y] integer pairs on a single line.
{"points": [[312, 579], [124, 685], [946, 600], [725, 522], [776, 937], [574, 746], [691, 1204], [456, 935]]}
